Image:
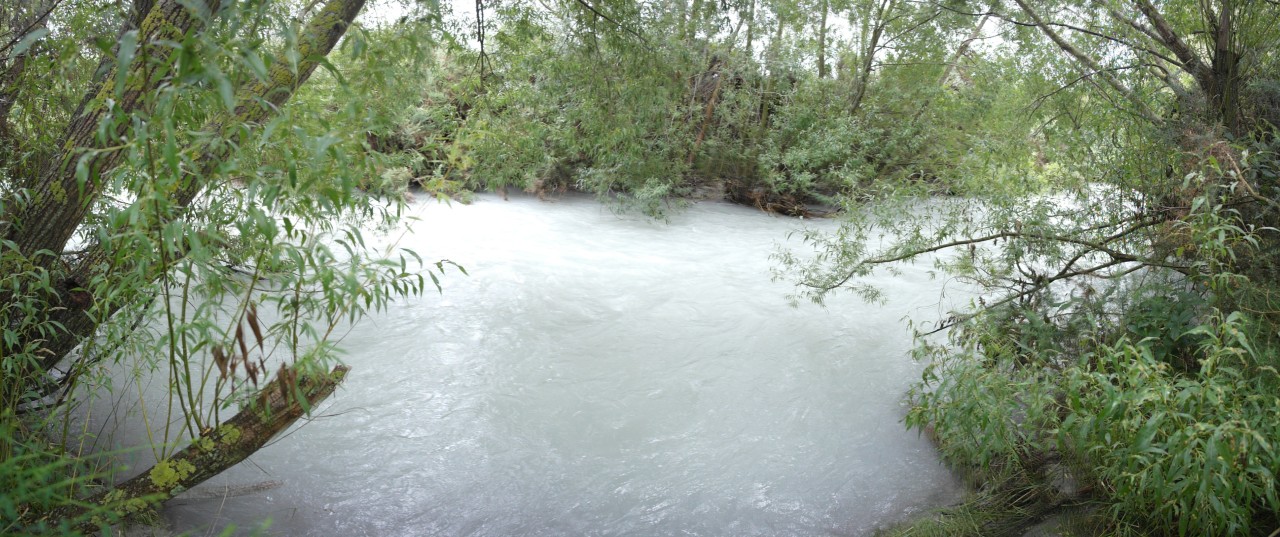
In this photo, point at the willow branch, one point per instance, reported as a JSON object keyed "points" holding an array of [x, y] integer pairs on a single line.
{"points": [[1188, 59], [256, 101], [1031, 289], [1102, 247], [1089, 62]]}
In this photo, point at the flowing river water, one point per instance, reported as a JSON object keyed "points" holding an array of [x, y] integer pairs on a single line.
{"points": [[599, 374]]}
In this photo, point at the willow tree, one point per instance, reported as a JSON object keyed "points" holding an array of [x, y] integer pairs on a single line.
{"points": [[161, 198], [1124, 330]]}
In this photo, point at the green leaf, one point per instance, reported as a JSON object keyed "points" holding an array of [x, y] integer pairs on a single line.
{"points": [[226, 92], [255, 63], [82, 171], [198, 8], [28, 40], [170, 150], [337, 75], [358, 43], [1148, 432], [267, 131], [128, 47]]}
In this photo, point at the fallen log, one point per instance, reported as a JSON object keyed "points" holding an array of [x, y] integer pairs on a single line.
{"points": [[280, 403]]}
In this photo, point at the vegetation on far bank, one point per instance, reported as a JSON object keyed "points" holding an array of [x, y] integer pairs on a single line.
{"points": [[649, 103]]}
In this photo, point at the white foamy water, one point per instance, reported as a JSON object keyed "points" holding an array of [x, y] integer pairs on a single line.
{"points": [[604, 375]]}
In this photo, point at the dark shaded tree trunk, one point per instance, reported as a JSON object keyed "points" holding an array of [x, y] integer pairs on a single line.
{"points": [[257, 101], [822, 40], [1224, 89]]}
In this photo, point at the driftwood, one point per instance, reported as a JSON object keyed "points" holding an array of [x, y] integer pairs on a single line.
{"points": [[280, 403]]}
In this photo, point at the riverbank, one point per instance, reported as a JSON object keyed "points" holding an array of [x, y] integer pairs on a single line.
{"points": [[1039, 496], [708, 191]]}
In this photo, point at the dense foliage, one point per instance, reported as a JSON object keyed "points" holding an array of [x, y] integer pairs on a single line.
{"points": [[181, 198], [183, 185], [1120, 360], [651, 102]]}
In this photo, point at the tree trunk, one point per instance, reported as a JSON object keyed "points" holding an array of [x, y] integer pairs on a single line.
{"points": [[65, 190], [278, 404], [256, 102], [259, 100], [8, 97], [822, 41], [1218, 79], [863, 78], [1224, 91], [962, 50], [1190, 61], [766, 94], [69, 184], [951, 66], [706, 120]]}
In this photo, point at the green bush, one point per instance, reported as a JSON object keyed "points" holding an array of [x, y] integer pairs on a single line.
{"points": [[1183, 454], [1167, 450], [38, 479]]}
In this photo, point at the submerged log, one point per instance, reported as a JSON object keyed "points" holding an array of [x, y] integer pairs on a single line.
{"points": [[280, 403]]}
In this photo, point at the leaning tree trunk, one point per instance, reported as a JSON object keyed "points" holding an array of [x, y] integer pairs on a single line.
{"points": [[68, 185], [64, 192], [1140, 107], [256, 102], [961, 51], [278, 405], [951, 66], [36, 226]]}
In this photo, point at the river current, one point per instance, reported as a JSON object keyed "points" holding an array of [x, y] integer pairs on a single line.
{"points": [[598, 374]]}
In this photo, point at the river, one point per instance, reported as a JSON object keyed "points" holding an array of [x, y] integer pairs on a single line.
{"points": [[598, 374]]}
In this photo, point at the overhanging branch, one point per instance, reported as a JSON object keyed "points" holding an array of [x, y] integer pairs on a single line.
{"points": [[278, 405]]}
